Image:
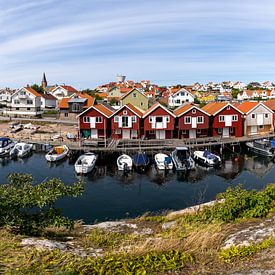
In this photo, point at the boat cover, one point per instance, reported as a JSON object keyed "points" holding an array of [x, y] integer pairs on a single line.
{"points": [[273, 143], [167, 160], [208, 155], [140, 159]]}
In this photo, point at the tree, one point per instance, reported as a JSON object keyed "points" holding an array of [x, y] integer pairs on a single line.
{"points": [[37, 88], [29, 208], [235, 93]]}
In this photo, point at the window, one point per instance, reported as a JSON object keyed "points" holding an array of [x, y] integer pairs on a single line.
{"points": [[182, 93], [159, 119], [66, 115], [75, 107], [125, 112], [200, 119], [261, 126], [187, 100], [234, 118], [199, 131], [151, 132], [98, 119], [16, 101], [177, 101], [17, 109], [150, 119], [221, 118], [220, 131], [118, 131], [29, 102], [28, 109], [194, 111], [134, 95], [141, 103], [266, 115], [168, 119], [231, 130], [116, 119], [228, 108], [253, 116], [125, 121], [86, 119], [183, 132], [187, 120], [134, 119]]}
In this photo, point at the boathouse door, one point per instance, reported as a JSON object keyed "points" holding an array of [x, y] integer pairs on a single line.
{"points": [[94, 133], [192, 134], [225, 132], [160, 134], [126, 134], [254, 130]]}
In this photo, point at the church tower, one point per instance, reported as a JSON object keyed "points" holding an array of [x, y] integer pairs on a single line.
{"points": [[44, 82]]}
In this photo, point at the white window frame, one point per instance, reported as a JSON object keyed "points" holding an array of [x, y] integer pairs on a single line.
{"points": [[86, 119], [198, 131], [228, 108], [98, 119], [125, 112], [134, 119], [116, 119], [150, 119], [219, 131], [167, 119], [236, 118], [185, 118], [202, 119], [266, 115], [253, 115], [134, 95], [194, 111], [118, 131], [221, 118]]}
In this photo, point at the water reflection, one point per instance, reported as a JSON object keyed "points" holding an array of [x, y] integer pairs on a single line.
{"points": [[112, 194]]}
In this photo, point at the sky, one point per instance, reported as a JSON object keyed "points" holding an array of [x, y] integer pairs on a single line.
{"points": [[86, 43]]}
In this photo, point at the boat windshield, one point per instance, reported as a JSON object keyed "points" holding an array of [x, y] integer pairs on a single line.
{"points": [[208, 154], [4, 143], [182, 154]]}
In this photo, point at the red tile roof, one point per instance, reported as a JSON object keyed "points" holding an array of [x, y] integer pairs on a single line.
{"points": [[247, 106], [63, 103], [69, 88], [32, 91], [103, 109]]}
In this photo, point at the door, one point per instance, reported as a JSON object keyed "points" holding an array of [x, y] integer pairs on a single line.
{"points": [[260, 119], [225, 132], [253, 130], [126, 134], [94, 133], [160, 134], [228, 120], [194, 122], [192, 134]]}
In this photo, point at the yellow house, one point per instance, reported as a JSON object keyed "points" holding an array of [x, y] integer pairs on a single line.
{"points": [[136, 98]]}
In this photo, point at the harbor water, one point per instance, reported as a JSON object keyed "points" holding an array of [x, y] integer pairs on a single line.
{"points": [[110, 195]]}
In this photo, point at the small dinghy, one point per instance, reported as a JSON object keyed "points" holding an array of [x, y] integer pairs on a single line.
{"points": [[57, 153], [6, 144], [206, 158], [85, 163], [141, 161], [124, 163], [263, 147], [182, 159], [163, 161], [21, 150]]}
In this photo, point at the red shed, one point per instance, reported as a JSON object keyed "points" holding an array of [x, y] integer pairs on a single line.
{"points": [[159, 123], [126, 122], [94, 122], [226, 119], [193, 122]]}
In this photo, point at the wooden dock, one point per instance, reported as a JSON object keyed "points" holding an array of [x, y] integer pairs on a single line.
{"points": [[100, 145]]}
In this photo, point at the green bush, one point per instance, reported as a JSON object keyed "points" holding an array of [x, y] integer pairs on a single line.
{"points": [[239, 203], [240, 252], [28, 208]]}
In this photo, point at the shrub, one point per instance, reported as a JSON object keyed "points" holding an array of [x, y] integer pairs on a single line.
{"points": [[29, 208]]}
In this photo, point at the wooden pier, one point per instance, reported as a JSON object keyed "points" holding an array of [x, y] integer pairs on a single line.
{"points": [[128, 145]]}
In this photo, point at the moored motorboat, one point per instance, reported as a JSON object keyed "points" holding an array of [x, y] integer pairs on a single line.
{"points": [[163, 161], [85, 163], [124, 163], [141, 161], [263, 147], [182, 159], [57, 153], [21, 150], [206, 158], [6, 144]]}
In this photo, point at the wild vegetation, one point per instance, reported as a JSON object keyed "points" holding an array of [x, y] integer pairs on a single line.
{"points": [[190, 243]]}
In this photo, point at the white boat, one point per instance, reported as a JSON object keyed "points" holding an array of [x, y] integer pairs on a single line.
{"points": [[85, 163], [182, 159], [57, 153], [124, 163], [206, 158], [262, 147], [6, 144], [21, 150], [163, 161]]}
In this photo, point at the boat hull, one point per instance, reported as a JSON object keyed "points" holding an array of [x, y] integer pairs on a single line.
{"points": [[203, 161], [259, 151], [56, 157]]}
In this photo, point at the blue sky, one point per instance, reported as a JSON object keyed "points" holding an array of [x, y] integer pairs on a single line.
{"points": [[88, 42]]}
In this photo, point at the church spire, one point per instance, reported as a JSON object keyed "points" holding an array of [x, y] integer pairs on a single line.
{"points": [[44, 82]]}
